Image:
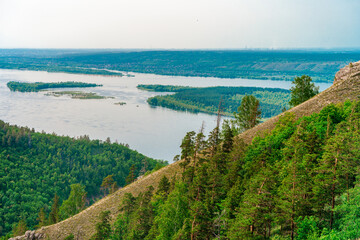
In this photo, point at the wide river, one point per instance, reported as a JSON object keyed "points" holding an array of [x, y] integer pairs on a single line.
{"points": [[155, 132]]}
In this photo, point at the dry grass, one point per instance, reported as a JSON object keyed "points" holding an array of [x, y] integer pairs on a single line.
{"points": [[82, 225], [346, 86]]}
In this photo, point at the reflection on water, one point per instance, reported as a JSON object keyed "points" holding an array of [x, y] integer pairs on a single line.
{"points": [[155, 132]]}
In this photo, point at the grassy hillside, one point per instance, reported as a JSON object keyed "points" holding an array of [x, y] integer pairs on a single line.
{"points": [[346, 87]]}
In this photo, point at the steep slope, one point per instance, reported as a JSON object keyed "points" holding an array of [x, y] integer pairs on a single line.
{"points": [[346, 86]]}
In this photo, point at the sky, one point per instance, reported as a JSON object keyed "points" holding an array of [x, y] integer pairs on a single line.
{"points": [[180, 24]]}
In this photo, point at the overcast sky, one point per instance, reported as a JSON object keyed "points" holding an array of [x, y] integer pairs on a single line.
{"points": [[179, 24]]}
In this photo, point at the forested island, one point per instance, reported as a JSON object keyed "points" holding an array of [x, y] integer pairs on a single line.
{"points": [[321, 65], [38, 86], [38, 170], [206, 100]]}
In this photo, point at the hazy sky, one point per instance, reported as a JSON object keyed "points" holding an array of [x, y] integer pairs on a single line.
{"points": [[179, 23]]}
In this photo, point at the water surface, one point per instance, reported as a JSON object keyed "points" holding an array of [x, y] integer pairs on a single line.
{"points": [[155, 132]]}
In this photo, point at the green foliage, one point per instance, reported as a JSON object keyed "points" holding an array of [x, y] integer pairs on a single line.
{"points": [[70, 237], [75, 203], [162, 88], [248, 64], [131, 177], [36, 166], [35, 87], [108, 184], [295, 182], [272, 100], [302, 90], [103, 228], [54, 214], [19, 228], [248, 114], [41, 219], [308, 228]]}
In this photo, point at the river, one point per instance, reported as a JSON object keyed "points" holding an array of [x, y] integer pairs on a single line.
{"points": [[154, 132]]}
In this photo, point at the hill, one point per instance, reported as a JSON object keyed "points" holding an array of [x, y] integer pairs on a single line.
{"points": [[251, 64], [36, 166], [346, 87]]}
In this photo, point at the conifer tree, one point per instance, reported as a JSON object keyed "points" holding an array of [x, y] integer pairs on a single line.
{"points": [[108, 184], [248, 115], [103, 227], [20, 228], [164, 186], [41, 218], [54, 213], [303, 90], [131, 177]]}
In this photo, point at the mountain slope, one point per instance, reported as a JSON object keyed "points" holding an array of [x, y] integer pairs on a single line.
{"points": [[346, 87]]}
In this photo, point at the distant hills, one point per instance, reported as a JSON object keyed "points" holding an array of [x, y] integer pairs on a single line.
{"points": [[252, 64]]}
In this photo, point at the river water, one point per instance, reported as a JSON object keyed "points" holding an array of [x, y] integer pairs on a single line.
{"points": [[155, 132]]}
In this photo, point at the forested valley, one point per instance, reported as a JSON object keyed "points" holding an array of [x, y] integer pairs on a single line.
{"points": [[45, 178], [299, 181]]}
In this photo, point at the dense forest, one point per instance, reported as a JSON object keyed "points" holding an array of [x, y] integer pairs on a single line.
{"points": [[299, 181], [252, 64], [38, 86], [272, 100], [38, 170]]}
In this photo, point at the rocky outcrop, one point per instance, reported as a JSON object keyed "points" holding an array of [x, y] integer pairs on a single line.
{"points": [[30, 235], [350, 71]]}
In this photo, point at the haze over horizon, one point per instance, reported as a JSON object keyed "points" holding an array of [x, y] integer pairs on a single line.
{"points": [[161, 24]]}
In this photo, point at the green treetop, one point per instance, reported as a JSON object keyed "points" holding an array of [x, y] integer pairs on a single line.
{"points": [[303, 90]]}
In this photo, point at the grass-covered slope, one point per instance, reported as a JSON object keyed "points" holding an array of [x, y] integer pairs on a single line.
{"points": [[36, 166], [206, 100], [346, 87], [38, 86]]}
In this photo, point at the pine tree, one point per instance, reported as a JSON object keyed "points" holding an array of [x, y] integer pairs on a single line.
{"points": [[164, 186], [19, 228], [41, 218], [303, 90], [108, 184], [248, 115], [103, 228], [295, 169], [54, 213], [131, 177]]}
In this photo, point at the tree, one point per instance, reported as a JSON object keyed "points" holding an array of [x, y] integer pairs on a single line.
{"points": [[41, 218], [75, 203], [54, 213], [303, 90], [108, 184], [103, 228], [131, 177], [20, 228], [164, 185], [248, 115]]}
